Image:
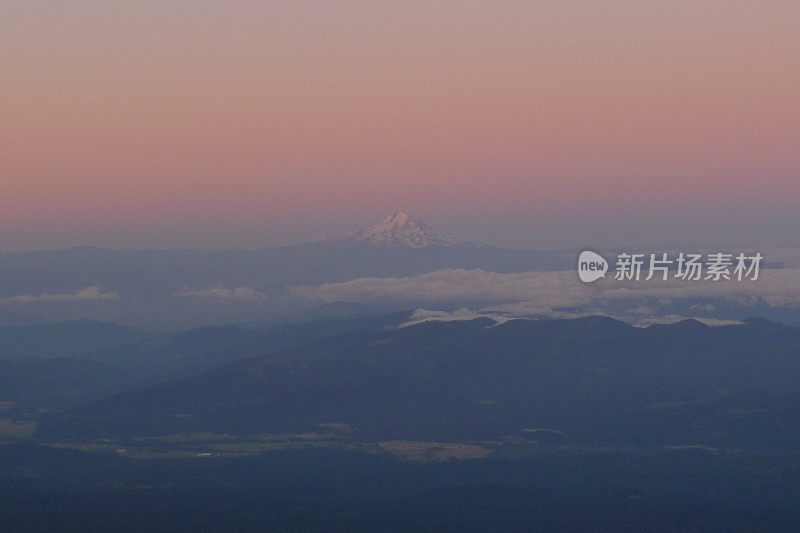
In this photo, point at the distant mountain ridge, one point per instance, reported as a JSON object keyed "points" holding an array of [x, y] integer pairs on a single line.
{"points": [[183, 288], [397, 246], [593, 381]]}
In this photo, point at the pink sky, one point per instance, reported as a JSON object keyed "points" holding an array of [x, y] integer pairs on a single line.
{"points": [[250, 124]]}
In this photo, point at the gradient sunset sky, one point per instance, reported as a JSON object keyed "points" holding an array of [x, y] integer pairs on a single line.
{"points": [[533, 124]]}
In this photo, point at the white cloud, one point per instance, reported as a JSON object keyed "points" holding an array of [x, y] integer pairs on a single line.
{"points": [[671, 319], [89, 293], [424, 315], [224, 293], [548, 293], [558, 288]]}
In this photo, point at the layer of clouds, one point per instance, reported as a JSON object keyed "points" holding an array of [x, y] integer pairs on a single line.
{"points": [[427, 315], [86, 294], [671, 319], [224, 293], [558, 294], [554, 289], [558, 288]]}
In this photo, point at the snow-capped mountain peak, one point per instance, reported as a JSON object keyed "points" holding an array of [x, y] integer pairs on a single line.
{"points": [[398, 229]]}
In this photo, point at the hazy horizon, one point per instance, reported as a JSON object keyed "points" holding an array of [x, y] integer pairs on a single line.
{"points": [[626, 230]]}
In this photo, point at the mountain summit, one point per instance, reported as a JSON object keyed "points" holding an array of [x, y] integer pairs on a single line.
{"points": [[398, 229]]}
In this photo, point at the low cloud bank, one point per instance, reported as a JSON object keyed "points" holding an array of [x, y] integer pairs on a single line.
{"points": [[561, 295], [421, 316], [87, 294], [553, 289], [224, 293]]}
